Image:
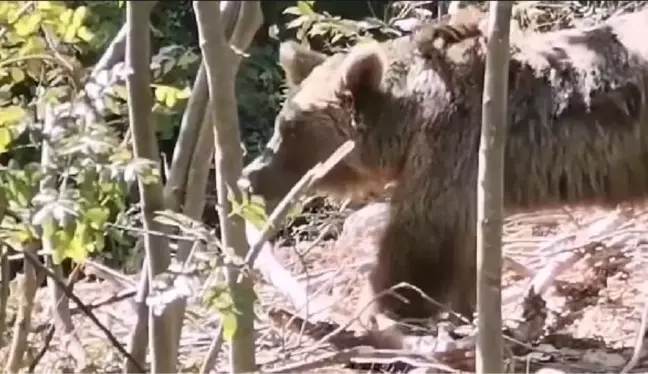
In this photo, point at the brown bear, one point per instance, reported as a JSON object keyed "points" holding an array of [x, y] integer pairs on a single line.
{"points": [[577, 116]]}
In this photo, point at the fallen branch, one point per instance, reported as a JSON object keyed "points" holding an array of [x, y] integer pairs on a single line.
{"points": [[108, 274], [123, 295], [72, 279], [33, 261], [297, 191], [46, 344], [276, 275], [366, 355], [532, 303], [272, 270], [334, 358], [639, 341]]}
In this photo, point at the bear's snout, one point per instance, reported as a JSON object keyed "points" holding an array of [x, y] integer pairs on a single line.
{"points": [[267, 178]]}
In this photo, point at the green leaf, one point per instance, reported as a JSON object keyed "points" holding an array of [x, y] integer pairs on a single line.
{"points": [[48, 227], [297, 22], [120, 91], [17, 74], [97, 217], [252, 210], [160, 92], [5, 139], [44, 5], [20, 191], [28, 24], [20, 233], [79, 16], [33, 45], [99, 241], [305, 8], [60, 241], [221, 300], [150, 176], [70, 34], [184, 93], [230, 323], [171, 99], [10, 115], [187, 59], [84, 34], [292, 10], [66, 16], [77, 248]]}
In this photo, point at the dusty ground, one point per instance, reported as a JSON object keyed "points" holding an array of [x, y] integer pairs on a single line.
{"points": [[594, 309]]}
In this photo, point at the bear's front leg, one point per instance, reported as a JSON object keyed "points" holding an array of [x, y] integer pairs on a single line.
{"points": [[431, 248]]}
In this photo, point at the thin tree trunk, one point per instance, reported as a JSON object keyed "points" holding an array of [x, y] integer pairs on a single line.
{"points": [[194, 150], [176, 187], [490, 191], [28, 286], [221, 64], [60, 307], [4, 275], [138, 46]]}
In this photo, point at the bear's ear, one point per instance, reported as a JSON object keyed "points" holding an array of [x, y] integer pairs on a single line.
{"points": [[363, 68], [298, 61]]}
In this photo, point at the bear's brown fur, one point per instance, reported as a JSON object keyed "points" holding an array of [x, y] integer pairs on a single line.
{"points": [[466, 23], [577, 117]]}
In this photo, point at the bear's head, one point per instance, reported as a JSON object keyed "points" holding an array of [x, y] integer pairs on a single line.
{"points": [[318, 115]]}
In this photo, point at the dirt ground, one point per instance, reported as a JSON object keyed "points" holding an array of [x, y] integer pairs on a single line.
{"points": [[594, 309]]}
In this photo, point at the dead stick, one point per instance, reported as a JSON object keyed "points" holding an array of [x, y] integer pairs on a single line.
{"points": [[639, 341], [301, 187], [36, 263], [314, 174]]}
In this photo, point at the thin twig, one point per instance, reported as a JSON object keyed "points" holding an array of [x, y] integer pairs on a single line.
{"points": [[639, 341], [304, 184], [362, 354], [115, 343], [46, 344], [126, 294], [213, 351]]}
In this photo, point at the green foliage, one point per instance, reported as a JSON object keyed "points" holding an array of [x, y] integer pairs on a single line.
{"points": [[106, 18], [72, 198], [332, 29], [173, 67], [219, 298], [251, 208], [335, 33], [259, 86], [11, 121]]}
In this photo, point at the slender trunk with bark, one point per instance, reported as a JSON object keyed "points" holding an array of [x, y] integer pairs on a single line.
{"points": [[138, 47], [489, 357], [28, 285], [221, 66]]}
